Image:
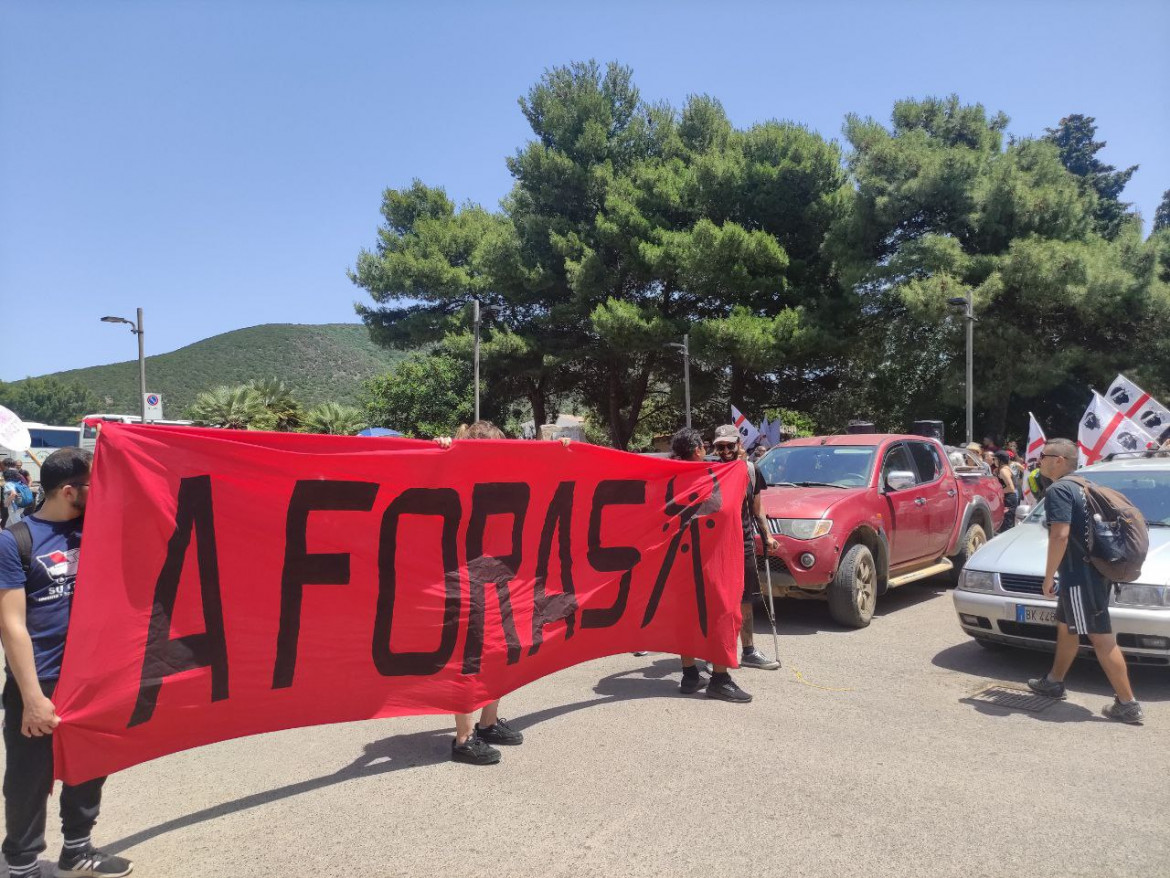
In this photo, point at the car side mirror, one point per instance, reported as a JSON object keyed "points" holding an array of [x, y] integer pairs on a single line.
{"points": [[900, 480]]}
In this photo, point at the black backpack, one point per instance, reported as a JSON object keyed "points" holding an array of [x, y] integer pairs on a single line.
{"points": [[23, 537]]}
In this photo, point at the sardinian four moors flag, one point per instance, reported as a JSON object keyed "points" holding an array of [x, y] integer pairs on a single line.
{"points": [[233, 583], [1139, 406], [1036, 441], [748, 433], [1106, 430]]}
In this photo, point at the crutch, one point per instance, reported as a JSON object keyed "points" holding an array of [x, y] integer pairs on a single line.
{"points": [[769, 602]]}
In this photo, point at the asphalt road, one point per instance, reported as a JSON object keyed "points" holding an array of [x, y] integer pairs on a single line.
{"points": [[862, 756]]}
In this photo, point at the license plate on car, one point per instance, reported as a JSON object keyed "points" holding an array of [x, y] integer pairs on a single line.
{"points": [[1035, 615]]}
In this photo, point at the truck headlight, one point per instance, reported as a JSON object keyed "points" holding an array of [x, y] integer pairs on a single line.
{"points": [[978, 580], [801, 528], [1135, 594]]}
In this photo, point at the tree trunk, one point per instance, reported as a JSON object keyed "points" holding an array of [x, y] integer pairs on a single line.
{"points": [[537, 401], [616, 424]]}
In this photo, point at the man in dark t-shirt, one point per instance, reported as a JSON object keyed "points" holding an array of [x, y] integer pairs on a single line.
{"points": [[1082, 591], [38, 566], [728, 447]]}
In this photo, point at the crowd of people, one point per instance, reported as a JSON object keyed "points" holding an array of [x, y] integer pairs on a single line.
{"points": [[36, 599]]}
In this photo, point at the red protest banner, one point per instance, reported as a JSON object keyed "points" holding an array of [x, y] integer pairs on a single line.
{"points": [[233, 583]]}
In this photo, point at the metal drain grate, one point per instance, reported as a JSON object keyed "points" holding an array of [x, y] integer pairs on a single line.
{"points": [[1014, 699]]}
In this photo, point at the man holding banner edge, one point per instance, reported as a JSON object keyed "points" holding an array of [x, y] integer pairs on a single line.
{"points": [[38, 565]]}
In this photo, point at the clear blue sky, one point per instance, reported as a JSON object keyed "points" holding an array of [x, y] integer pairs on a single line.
{"points": [[221, 163]]}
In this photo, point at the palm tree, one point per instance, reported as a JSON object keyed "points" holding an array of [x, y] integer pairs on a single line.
{"points": [[334, 418], [284, 412], [235, 408], [272, 392]]}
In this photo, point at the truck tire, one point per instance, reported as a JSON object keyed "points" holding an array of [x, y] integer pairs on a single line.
{"points": [[853, 592], [973, 539]]}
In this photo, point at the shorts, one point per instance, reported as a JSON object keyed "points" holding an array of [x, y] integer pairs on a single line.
{"points": [[751, 577], [1084, 608]]}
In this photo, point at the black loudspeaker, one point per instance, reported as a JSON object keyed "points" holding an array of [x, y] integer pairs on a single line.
{"points": [[933, 429], [860, 427]]}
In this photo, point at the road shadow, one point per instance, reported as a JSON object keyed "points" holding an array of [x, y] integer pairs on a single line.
{"points": [[1150, 683], [797, 616], [378, 757], [660, 679], [1060, 712]]}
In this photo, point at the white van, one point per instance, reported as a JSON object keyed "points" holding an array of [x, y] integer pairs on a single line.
{"points": [[89, 428], [46, 439]]}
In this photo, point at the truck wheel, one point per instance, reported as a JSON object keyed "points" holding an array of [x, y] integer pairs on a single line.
{"points": [[853, 592], [973, 539]]}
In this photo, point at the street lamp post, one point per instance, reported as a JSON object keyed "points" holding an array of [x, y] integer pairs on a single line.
{"points": [[685, 350], [475, 320], [968, 305], [136, 328]]}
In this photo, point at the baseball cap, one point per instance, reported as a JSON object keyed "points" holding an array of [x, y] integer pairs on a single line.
{"points": [[726, 433]]}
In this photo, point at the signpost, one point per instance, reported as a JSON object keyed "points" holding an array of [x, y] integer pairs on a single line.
{"points": [[152, 406]]}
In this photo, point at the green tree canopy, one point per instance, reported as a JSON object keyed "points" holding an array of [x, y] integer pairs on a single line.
{"points": [[427, 394], [1162, 214], [1078, 153], [49, 400], [941, 209]]}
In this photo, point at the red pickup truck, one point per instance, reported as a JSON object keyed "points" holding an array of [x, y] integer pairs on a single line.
{"points": [[857, 515]]}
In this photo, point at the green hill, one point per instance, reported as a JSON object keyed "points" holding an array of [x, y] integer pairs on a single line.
{"points": [[317, 363]]}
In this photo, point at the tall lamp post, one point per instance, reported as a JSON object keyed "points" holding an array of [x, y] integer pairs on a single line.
{"points": [[685, 350], [475, 321], [968, 305], [136, 328]]}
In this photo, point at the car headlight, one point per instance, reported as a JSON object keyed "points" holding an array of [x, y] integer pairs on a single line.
{"points": [[978, 580], [1135, 594], [802, 528]]}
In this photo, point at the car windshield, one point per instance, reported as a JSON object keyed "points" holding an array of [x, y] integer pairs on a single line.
{"points": [[843, 466], [1148, 490]]}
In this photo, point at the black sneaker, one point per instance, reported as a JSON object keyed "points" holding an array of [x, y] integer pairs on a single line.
{"points": [[726, 690], [753, 658], [91, 863], [1131, 713], [691, 685], [499, 732], [473, 751], [1049, 688]]}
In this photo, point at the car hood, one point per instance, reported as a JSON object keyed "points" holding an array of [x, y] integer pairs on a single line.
{"points": [[1024, 550], [781, 502]]}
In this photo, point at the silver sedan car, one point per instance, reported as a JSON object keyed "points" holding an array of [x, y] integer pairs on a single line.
{"points": [[999, 599]]}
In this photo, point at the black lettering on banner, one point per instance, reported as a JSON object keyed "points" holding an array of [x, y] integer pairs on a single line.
{"points": [[688, 515], [164, 656], [546, 608], [319, 568], [611, 559], [442, 503], [493, 498]]}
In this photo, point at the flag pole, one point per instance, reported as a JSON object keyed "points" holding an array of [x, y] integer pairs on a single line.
{"points": [[769, 603]]}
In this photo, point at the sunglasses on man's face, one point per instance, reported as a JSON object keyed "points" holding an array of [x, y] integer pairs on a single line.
{"points": [[1058, 456]]}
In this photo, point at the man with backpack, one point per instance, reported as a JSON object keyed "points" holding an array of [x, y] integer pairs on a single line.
{"points": [[17, 497], [38, 566], [1083, 590]]}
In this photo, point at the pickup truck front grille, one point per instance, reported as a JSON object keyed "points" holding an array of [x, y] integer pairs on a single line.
{"points": [[1022, 584]]}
